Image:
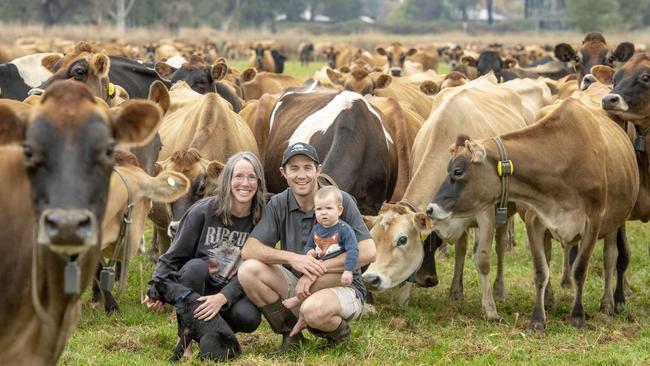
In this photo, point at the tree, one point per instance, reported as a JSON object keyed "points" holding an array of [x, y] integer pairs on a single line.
{"points": [[342, 10], [590, 15], [119, 14], [490, 7]]}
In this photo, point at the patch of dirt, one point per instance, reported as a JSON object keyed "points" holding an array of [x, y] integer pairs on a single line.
{"points": [[398, 324], [118, 345]]}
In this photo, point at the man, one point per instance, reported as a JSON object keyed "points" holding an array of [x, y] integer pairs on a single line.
{"points": [[265, 277]]}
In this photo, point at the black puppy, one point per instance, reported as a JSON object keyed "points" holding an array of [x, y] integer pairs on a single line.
{"points": [[216, 340]]}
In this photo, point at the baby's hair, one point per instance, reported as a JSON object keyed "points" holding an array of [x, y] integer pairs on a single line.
{"points": [[327, 190]]}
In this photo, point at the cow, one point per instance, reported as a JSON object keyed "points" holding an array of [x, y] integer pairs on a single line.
{"points": [[584, 189], [353, 146], [306, 53], [134, 76], [396, 57], [20, 75], [341, 55], [254, 84], [261, 58], [131, 192], [486, 109], [257, 114], [56, 161], [201, 78], [507, 69], [593, 51]]}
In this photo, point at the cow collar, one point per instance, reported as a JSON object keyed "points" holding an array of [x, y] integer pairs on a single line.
{"points": [[639, 140], [505, 168]]}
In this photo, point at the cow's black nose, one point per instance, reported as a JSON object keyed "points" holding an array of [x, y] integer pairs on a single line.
{"points": [[430, 211], [372, 281], [68, 227]]}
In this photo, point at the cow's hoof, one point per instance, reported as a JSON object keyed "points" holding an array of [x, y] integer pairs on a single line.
{"points": [[607, 306], [494, 317], [579, 323], [619, 307], [536, 326], [566, 283], [499, 292], [456, 295]]}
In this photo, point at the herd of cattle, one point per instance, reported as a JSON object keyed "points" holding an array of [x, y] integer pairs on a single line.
{"points": [[570, 158]]}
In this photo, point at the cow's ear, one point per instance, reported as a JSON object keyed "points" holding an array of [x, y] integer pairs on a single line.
{"points": [[135, 122], [51, 62], [383, 81], [423, 223], [604, 74], [564, 52], [158, 94], [101, 63], [164, 70], [623, 52], [168, 186], [12, 125], [509, 63], [468, 60], [219, 71], [214, 169], [381, 51], [248, 75], [334, 76], [370, 221], [429, 87], [476, 151], [344, 69], [411, 51]]}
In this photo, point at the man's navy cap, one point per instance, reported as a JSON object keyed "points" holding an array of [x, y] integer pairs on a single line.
{"points": [[300, 148]]}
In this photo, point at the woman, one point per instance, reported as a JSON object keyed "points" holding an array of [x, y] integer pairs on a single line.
{"points": [[206, 251]]}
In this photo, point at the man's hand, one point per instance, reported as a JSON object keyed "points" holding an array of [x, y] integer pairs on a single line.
{"points": [[211, 306], [302, 287], [346, 278], [310, 266], [155, 305]]}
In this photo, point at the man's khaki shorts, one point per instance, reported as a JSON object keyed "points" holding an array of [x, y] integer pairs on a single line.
{"points": [[351, 306]]}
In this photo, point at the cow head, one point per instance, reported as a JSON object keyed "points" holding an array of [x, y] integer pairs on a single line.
{"points": [[359, 80], [259, 50], [593, 51], [454, 79], [202, 174], [330, 54], [631, 92], [395, 56], [68, 140], [397, 232], [469, 187], [86, 65], [489, 61], [196, 73]]}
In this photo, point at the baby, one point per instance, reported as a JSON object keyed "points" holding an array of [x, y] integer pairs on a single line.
{"points": [[329, 238]]}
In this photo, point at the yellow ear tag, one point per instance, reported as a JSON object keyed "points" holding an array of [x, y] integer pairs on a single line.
{"points": [[500, 169], [111, 90], [423, 237]]}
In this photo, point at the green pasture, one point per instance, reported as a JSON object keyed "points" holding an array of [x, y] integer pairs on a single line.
{"points": [[429, 330]]}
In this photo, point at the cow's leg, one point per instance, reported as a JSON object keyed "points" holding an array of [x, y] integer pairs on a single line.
{"points": [[510, 238], [482, 255], [580, 267], [97, 294], [535, 231], [622, 262], [549, 297], [609, 262], [502, 238], [426, 275], [456, 291], [404, 293]]}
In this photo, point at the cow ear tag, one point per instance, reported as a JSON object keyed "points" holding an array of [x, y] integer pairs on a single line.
{"points": [[72, 279], [423, 237], [106, 279]]}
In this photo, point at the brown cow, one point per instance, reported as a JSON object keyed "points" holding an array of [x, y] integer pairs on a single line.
{"points": [[130, 195], [254, 84], [261, 58], [396, 57], [584, 188], [59, 182], [341, 55], [257, 114], [593, 51]]}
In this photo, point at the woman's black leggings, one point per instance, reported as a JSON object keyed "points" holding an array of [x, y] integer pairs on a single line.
{"points": [[242, 316]]}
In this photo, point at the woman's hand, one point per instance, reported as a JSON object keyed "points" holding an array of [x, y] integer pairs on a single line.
{"points": [[302, 287], [155, 305], [310, 266], [211, 306]]}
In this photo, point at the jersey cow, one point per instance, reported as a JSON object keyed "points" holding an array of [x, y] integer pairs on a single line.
{"points": [[58, 183], [584, 189]]}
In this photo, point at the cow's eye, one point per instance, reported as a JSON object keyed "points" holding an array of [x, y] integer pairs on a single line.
{"points": [[402, 240], [458, 173], [645, 78], [110, 150], [30, 157], [200, 190]]}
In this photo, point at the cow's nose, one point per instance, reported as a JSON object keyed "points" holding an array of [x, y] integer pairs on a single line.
{"points": [[431, 281], [430, 210], [587, 81], [35, 91], [371, 280], [611, 101], [172, 228], [67, 227], [396, 72]]}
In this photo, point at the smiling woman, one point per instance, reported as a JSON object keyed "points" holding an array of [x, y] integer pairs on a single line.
{"points": [[206, 252]]}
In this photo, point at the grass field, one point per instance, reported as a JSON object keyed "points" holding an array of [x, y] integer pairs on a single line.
{"points": [[431, 329]]}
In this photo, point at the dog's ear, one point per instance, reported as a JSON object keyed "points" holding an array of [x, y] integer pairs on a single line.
{"points": [[174, 276]]}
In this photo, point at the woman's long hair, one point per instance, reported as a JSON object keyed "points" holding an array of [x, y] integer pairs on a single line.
{"points": [[223, 192]]}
